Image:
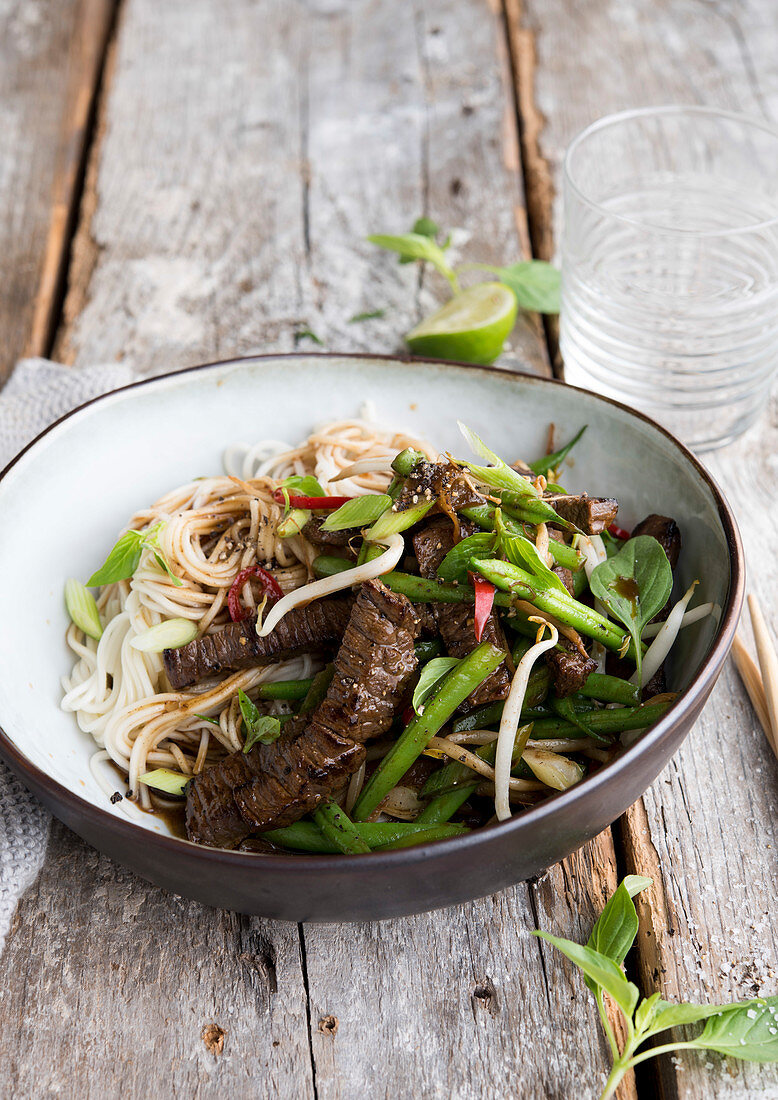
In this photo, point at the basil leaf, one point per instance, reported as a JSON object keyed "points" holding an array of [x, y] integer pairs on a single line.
{"points": [[370, 315], [304, 486], [122, 561], [358, 512], [163, 779], [634, 585], [602, 970], [82, 609], [535, 283], [646, 1011], [205, 718], [306, 334], [414, 246], [747, 1030], [162, 563], [520, 551], [259, 727], [615, 930], [433, 671], [456, 563], [426, 227], [667, 1014], [550, 462]]}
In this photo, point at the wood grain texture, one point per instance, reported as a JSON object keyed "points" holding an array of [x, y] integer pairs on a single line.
{"points": [[706, 831], [225, 209], [49, 56], [229, 198]]}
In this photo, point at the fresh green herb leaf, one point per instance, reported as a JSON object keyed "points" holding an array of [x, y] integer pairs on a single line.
{"points": [[634, 585], [616, 928], [259, 727], [432, 672], [456, 563], [122, 561], [169, 634], [163, 779], [747, 1030], [603, 971], [369, 315], [645, 1012], [162, 563], [358, 512], [205, 718], [535, 283], [522, 552], [666, 1014], [499, 475], [551, 462], [417, 246], [82, 608], [427, 228], [306, 334], [304, 486]]}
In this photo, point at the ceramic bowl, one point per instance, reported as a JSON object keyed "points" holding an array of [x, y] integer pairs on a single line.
{"points": [[65, 497]]}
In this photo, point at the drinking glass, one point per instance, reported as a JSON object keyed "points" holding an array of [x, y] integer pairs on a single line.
{"points": [[670, 267]]}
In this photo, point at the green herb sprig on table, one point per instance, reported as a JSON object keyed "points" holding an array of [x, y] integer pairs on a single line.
{"points": [[476, 331], [744, 1029]]}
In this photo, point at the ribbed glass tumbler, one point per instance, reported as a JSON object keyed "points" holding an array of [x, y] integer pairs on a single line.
{"points": [[670, 267]]}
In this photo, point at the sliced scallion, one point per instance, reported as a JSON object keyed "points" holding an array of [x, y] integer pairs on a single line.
{"points": [[163, 779], [82, 608], [169, 634], [358, 512]]}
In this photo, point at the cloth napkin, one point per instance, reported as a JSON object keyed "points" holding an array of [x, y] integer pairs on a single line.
{"points": [[37, 393]]}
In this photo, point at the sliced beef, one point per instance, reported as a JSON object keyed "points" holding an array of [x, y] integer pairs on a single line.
{"points": [[456, 621], [592, 515], [274, 785], [565, 576], [268, 787], [666, 533], [438, 481], [302, 630], [569, 668], [314, 533]]}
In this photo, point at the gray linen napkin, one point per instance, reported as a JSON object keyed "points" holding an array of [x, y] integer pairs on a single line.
{"points": [[37, 393]]}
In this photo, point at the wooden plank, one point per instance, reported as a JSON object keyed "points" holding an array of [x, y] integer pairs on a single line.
{"points": [[50, 55], [139, 993], [225, 208], [706, 831]]}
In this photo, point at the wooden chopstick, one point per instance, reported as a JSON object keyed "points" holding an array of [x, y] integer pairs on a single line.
{"points": [[768, 663], [752, 680]]}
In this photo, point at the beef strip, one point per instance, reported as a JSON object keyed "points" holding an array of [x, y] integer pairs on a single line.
{"points": [[436, 481], [314, 533], [275, 785], [666, 533], [456, 621], [569, 668], [592, 515], [302, 630]]}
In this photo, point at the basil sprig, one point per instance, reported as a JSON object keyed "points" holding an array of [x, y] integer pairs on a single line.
{"points": [[358, 512], [125, 557], [634, 585], [432, 672], [259, 727], [744, 1029]]}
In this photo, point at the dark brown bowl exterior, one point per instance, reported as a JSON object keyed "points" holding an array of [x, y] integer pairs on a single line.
{"points": [[412, 880]]}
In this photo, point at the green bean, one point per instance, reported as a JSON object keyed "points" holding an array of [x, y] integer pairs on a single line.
{"points": [[284, 689], [417, 589], [483, 515], [406, 460], [510, 578], [338, 828], [318, 689], [428, 648], [486, 716], [566, 709], [305, 836], [423, 836], [603, 721], [444, 806], [452, 692], [610, 689], [550, 462], [451, 776], [580, 583]]}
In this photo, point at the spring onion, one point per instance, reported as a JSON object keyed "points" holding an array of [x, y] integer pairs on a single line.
{"points": [[82, 609], [662, 644], [358, 512], [163, 779], [169, 634]]}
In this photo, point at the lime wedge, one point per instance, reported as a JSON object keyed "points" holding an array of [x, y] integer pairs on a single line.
{"points": [[473, 326]]}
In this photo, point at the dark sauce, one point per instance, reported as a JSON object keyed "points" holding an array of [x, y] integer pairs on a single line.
{"points": [[173, 816], [627, 588]]}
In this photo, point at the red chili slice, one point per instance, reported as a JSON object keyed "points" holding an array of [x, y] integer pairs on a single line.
{"points": [[270, 587], [484, 600], [618, 532], [317, 504]]}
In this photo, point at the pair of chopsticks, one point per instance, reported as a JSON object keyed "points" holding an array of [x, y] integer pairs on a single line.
{"points": [[760, 682]]}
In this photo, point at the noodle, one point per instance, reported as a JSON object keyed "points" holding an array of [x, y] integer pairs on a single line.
{"points": [[210, 529]]}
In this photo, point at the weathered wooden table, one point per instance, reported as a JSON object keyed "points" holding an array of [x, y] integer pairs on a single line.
{"points": [[188, 180]]}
